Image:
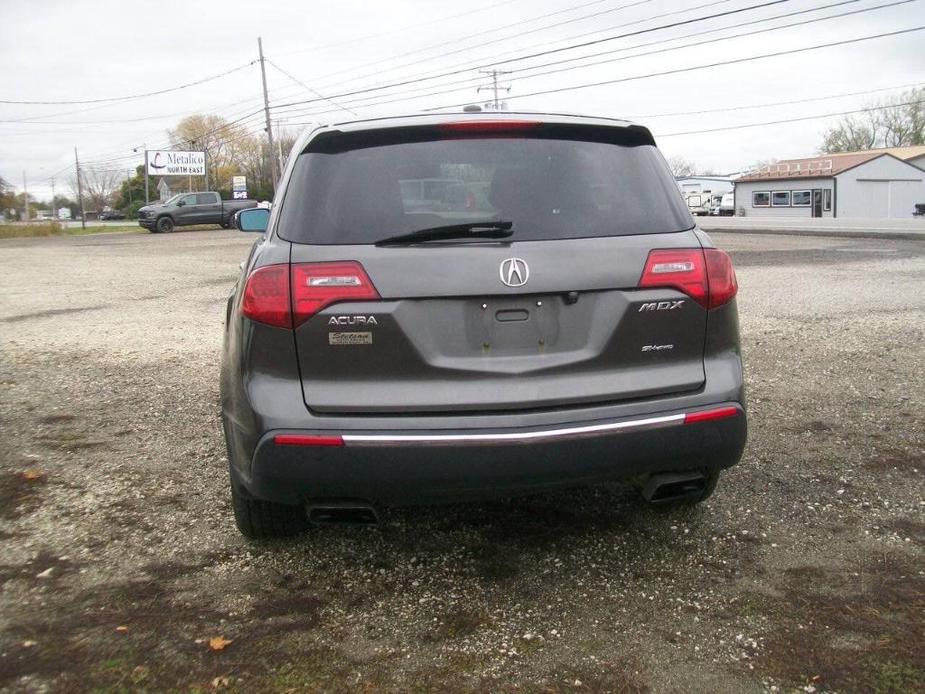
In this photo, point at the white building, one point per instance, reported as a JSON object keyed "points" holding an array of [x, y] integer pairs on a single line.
{"points": [[874, 184], [704, 184]]}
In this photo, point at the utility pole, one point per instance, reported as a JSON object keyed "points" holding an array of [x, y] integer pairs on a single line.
{"points": [[279, 147], [145, 147], [266, 112], [54, 210], [495, 87], [25, 196], [80, 193], [128, 182]]}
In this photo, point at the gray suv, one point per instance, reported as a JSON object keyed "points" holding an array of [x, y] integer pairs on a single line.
{"points": [[462, 305]]}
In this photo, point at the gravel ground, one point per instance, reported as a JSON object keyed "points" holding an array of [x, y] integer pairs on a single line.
{"points": [[120, 560]]}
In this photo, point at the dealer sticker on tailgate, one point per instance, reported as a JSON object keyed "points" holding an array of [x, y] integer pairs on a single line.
{"points": [[351, 338]]}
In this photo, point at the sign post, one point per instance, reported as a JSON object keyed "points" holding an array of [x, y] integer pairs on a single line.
{"points": [[147, 197], [239, 187]]}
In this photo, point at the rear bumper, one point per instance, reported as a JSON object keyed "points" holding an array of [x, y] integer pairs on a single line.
{"points": [[407, 466]]}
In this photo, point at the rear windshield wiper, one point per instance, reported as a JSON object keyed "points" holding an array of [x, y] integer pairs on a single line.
{"points": [[471, 230]]}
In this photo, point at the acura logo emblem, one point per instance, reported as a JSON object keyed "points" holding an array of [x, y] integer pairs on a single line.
{"points": [[514, 272]]}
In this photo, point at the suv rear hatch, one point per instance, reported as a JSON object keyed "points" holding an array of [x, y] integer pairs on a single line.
{"points": [[551, 316]]}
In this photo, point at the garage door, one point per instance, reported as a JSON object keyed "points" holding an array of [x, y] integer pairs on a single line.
{"points": [[886, 199], [903, 197], [873, 200]]}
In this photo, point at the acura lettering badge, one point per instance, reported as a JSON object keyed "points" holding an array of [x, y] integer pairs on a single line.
{"points": [[514, 272]]}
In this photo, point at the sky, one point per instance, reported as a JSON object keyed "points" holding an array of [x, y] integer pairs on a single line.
{"points": [[77, 51]]}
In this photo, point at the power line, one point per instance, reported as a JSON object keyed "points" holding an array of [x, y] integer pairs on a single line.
{"points": [[618, 50], [555, 50], [502, 39], [703, 67], [300, 82], [712, 31], [775, 103], [468, 67], [398, 30], [728, 37], [133, 96], [792, 120]]}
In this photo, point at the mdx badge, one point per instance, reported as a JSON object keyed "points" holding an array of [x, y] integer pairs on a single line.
{"points": [[514, 272], [661, 305]]}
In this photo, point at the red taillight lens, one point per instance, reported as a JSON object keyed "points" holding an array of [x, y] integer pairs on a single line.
{"points": [[307, 440], [710, 415], [266, 296], [682, 269], [277, 296], [317, 285], [705, 275], [721, 277]]}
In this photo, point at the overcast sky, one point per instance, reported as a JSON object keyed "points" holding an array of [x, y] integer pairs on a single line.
{"points": [[77, 51]]}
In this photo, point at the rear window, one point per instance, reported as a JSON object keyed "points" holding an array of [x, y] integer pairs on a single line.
{"points": [[549, 188]]}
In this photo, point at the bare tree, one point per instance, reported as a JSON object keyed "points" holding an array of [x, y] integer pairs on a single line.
{"points": [[680, 166], [99, 187], [895, 122], [851, 134]]}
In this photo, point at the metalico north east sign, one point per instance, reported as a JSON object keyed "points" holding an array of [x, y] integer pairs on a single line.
{"points": [[162, 162]]}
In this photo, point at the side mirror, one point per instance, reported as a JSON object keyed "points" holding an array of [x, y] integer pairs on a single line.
{"points": [[252, 219], [181, 203]]}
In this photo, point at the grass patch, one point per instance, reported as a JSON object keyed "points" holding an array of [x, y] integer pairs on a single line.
{"points": [[16, 231]]}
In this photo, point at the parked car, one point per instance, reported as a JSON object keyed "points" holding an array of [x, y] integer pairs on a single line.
{"points": [[111, 215], [919, 210], [579, 330], [186, 209]]}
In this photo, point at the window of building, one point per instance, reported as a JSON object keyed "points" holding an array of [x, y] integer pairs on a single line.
{"points": [[780, 198], [827, 199], [802, 198], [761, 199]]}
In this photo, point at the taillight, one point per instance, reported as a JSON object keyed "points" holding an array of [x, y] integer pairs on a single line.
{"points": [[705, 275], [317, 285], [266, 296], [286, 298], [721, 277]]}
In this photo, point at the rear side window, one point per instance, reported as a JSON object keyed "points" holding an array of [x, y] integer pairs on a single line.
{"points": [[549, 188]]}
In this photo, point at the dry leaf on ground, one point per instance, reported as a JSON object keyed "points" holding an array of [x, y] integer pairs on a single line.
{"points": [[219, 643]]}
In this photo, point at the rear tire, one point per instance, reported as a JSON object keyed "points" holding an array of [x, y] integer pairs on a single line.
{"points": [[258, 519], [164, 225]]}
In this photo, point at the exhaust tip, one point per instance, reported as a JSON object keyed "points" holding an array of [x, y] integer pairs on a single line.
{"points": [[342, 513], [671, 487]]}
